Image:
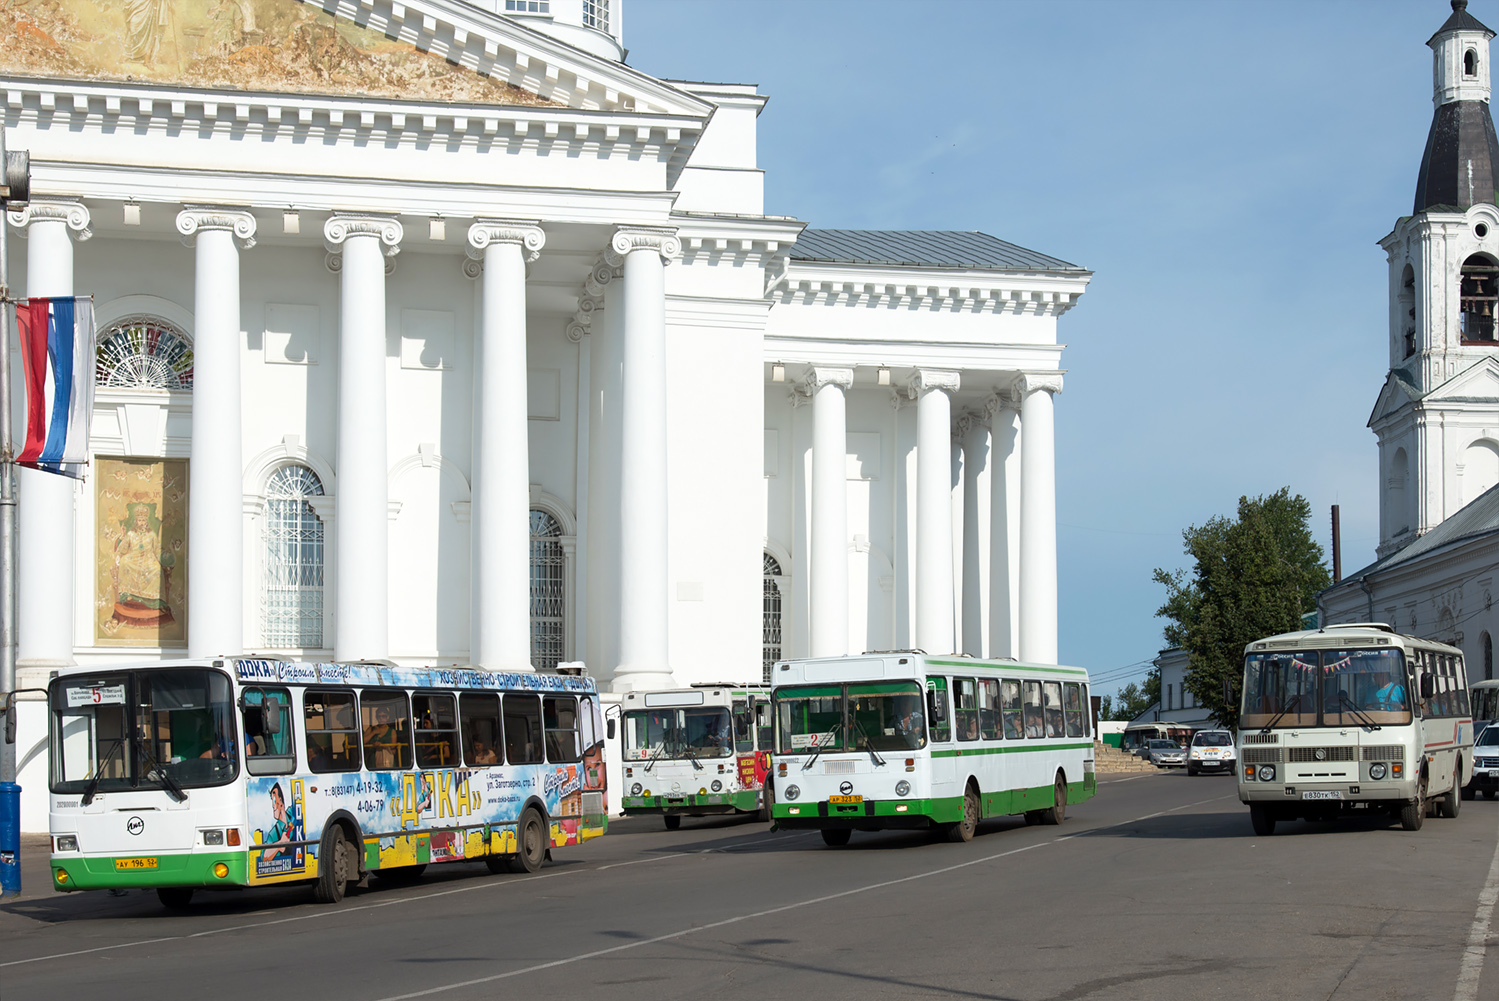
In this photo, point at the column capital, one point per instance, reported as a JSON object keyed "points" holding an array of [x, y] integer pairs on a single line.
{"points": [[632, 238], [1032, 382], [1002, 400], [819, 376], [526, 232], [196, 218], [75, 214], [340, 227], [926, 378]]}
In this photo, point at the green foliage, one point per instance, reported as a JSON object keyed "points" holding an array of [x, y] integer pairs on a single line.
{"points": [[1251, 577], [1132, 699]]}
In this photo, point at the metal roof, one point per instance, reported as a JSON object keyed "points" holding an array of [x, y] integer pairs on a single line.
{"points": [[922, 248], [1475, 520], [1460, 20]]}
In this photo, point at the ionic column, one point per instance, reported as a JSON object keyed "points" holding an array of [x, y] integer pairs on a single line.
{"points": [[643, 254], [934, 558], [501, 568], [215, 496], [973, 435], [1004, 525], [358, 247], [829, 548], [1038, 520], [44, 517]]}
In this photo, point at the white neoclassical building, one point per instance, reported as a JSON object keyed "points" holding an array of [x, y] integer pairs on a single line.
{"points": [[1437, 417], [433, 332]]}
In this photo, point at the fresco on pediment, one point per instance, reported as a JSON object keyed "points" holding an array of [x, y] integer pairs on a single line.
{"points": [[253, 45]]}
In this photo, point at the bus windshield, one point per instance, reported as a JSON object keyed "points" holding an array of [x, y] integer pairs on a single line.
{"points": [[141, 729], [698, 732], [1302, 688], [880, 716]]}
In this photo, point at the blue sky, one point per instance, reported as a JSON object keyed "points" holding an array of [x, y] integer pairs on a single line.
{"points": [[1226, 170]]}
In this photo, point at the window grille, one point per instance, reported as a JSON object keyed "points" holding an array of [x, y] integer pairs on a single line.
{"points": [[548, 592], [143, 352], [528, 6], [293, 560], [1478, 296], [771, 616], [596, 14]]}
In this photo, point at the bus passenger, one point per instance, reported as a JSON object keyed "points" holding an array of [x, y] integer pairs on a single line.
{"points": [[482, 754], [1390, 696], [380, 739]]}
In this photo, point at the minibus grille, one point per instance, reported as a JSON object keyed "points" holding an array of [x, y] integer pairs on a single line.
{"points": [[1259, 738], [1384, 752], [1261, 755], [1328, 753]]}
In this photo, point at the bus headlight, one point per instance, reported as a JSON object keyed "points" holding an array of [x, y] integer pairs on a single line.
{"points": [[67, 843], [1266, 773], [62, 877], [716, 786], [792, 792], [1377, 770], [902, 788], [635, 789], [213, 837]]}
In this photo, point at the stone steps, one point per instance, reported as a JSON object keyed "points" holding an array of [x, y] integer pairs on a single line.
{"points": [[1109, 760]]}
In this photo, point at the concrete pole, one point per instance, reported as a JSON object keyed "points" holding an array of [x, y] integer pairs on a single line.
{"points": [[829, 549]]}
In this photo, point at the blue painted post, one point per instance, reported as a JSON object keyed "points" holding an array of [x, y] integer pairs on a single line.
{"points": [[10, 839]]}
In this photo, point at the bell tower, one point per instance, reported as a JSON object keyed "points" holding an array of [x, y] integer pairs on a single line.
{"points": [[1437, 417]]}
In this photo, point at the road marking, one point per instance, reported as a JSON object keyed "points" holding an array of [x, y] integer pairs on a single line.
{"points": [[1478, 936]]}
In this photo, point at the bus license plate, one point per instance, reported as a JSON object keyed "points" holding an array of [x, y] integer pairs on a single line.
{"points": [[1322, 794], [135, 863], [845, 799]]}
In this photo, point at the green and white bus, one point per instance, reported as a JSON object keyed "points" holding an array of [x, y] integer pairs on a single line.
{"points": [[906, 740], [1353, 718], [695, 752], [220, 774]]}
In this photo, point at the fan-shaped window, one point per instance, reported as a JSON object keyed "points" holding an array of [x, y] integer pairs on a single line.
{"points": [[1470, 63], [293, 560], [548, 592], [1478, 296], [143, 352], [771, 616]]}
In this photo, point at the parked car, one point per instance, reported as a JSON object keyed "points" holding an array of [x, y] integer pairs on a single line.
{"points": [[1211, 751], [1485, 765], [1167, 754]]}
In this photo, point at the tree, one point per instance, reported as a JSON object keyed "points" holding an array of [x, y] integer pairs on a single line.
{"points": [[1133, 699], [1251, 577]]}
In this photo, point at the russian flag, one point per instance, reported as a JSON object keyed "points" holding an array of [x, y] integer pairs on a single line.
{"points": [[57, 356]]}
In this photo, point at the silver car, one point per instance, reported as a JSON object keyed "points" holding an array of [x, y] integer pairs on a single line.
{"points": [[1167, 754]]}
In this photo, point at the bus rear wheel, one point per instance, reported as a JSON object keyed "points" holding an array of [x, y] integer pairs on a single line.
{"points": [[1452, 801], [672, 821], [334, 866], [1262, 819], [1413, 814], [533, 840], [1058, 810], [963, 829], [767, 801], [175, 897], [835, 837]]}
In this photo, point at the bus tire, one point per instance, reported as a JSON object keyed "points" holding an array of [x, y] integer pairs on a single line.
{"points": [[175, 898], [835, 837], [1057, 812], [1413, 814], [672, 821], [1450, 803], [767, 801], [531, 840], [963, 829], [334, 869], [1262, 819]]}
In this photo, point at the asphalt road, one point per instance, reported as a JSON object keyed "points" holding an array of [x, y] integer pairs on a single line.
{"points": [[1156, 888]]}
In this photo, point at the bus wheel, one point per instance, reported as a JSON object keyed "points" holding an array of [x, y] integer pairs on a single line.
{"points": [[767, 801], [672, 821], [1262, 819], [333, 867], [1413, 814], [1058, 811], [533, 840], [175, 897], [963, 829], [835, 837], [1452, 801]]}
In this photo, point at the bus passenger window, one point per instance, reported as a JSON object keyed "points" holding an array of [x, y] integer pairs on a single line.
{"points": [[1009, 700], [1460, 676], [764, 725], [744, 739], [989, 709], [481, 728], [1035, 723], [965, 708], [1053, 693], [436, 731], [1073, 708], [522, 729], [561, 713], [268, 737], [386, 718], [1087, 713], [332, 739]]}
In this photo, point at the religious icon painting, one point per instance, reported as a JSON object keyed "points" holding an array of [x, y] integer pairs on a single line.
{"points": [[140, 557]]}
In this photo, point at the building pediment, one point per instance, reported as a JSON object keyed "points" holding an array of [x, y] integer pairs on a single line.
{"points": [[439, 51], [1479, 381], [1396, 392]]}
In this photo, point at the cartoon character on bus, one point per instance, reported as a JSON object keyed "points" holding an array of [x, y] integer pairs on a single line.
{"points": [[280, 852]]}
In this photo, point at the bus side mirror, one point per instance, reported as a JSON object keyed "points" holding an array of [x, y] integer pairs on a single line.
{"points": [[609, 729], [271, 716], [1428, 685], [936, 706]]}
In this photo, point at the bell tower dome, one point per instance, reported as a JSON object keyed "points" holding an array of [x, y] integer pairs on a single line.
{"points": [[1462, 152]]}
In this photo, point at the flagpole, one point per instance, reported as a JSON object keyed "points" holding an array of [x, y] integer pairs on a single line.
{"points": [[14, 187]]}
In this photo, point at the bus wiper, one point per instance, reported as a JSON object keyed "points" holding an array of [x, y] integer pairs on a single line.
{"points": [[819, 748], [1295, 701], [93, 784], [660, 750], [868, 745], [1363, 719], [153, 767]]}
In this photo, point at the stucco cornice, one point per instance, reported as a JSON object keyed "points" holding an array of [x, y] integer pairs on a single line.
{"points": [[928, 288]]}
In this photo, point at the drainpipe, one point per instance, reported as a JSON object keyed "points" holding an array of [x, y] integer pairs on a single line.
{"points": [[1363, 582]]}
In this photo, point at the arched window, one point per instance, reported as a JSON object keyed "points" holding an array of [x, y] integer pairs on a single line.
{"points": [[293, 560], [1408, 309], [771, 616], [548, 592], [1396, 509], [1488, 657], [143, 352], [1478, 294], [1470, 63]]}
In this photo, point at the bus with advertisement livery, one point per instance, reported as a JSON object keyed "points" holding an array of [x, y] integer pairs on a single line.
{"points": [[695, 752], [225, 773], [1351, 719], [906, 740]]}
